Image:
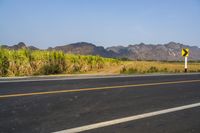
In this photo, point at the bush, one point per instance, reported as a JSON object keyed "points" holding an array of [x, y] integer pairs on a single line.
{"points": [[26, 62], [124, 70], [4, 65], [164, 70], [152, 69], [51, 69]]}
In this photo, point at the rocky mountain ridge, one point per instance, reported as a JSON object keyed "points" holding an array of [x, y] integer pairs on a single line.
{"points": [[168, 52]]}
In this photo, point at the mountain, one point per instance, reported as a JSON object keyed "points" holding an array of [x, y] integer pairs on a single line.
{"points": [[20, 45], [169, 52], [84, 48]]}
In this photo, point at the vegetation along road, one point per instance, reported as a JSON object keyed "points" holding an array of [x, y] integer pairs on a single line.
{"points": [[25, 62]]}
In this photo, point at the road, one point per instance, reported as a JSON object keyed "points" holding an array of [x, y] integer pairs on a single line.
{"points": [[140, 104]]}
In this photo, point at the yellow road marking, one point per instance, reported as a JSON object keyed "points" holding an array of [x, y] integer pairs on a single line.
{"points": [[97, 88]]}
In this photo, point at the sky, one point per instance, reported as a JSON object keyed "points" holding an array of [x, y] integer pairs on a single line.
{"points": [[49, 23]]}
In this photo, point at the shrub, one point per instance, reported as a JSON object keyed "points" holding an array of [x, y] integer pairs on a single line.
{"points": [[152, 69], [123, 70], [128, 71], [164, 70], [51, 69], [38, 62]]}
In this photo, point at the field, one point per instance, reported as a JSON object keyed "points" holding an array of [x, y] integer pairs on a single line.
{"points": [[25, 62], [158, 66]]}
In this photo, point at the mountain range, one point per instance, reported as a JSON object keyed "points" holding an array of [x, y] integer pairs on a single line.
{"points": [[168, 52]]}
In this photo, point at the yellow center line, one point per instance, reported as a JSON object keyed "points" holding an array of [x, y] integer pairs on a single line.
{"points": [[97, 88]]}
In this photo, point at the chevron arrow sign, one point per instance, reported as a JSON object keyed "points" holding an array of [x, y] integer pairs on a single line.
{"points": [[185, 52]]}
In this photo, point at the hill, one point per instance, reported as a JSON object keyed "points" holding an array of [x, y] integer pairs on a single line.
{"points": [[161, 52], [18, 46], [84, 48], [169, 52]]}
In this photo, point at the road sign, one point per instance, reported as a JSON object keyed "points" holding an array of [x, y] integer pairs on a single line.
{"points": [[185, 52]]}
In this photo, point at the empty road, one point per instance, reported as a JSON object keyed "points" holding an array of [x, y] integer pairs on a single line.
{"points": [[115, 104]]}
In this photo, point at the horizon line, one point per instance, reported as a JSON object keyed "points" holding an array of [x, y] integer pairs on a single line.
{"points": [[27, 44]]}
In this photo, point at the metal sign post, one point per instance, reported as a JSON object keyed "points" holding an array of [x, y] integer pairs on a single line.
{"points": [[185, 63], [185, 53]]}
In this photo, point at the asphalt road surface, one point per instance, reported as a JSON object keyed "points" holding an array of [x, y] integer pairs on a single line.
{"points": [[122, 104]]}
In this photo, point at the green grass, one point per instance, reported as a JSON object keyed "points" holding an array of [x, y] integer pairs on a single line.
{"points": [[26, 62]]}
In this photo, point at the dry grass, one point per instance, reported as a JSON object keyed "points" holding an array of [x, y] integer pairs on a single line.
{"points": [[25, 62], [156, 66], [142, 67]]}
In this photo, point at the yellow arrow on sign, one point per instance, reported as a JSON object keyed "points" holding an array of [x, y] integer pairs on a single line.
{"points": [[185, 52]]}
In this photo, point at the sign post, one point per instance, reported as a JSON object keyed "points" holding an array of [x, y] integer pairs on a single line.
{"points": [[185, 63], [185, 53]]}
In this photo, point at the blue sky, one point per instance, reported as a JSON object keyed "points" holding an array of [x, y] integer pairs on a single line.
{"points": [[45, 23]]}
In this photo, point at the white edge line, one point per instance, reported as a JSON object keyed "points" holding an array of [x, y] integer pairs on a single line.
{"points": [[127, 119], [88, 77]]}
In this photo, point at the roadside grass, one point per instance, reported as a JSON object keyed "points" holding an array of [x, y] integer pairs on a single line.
{"points": [[131, 67], [25, 62]]}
